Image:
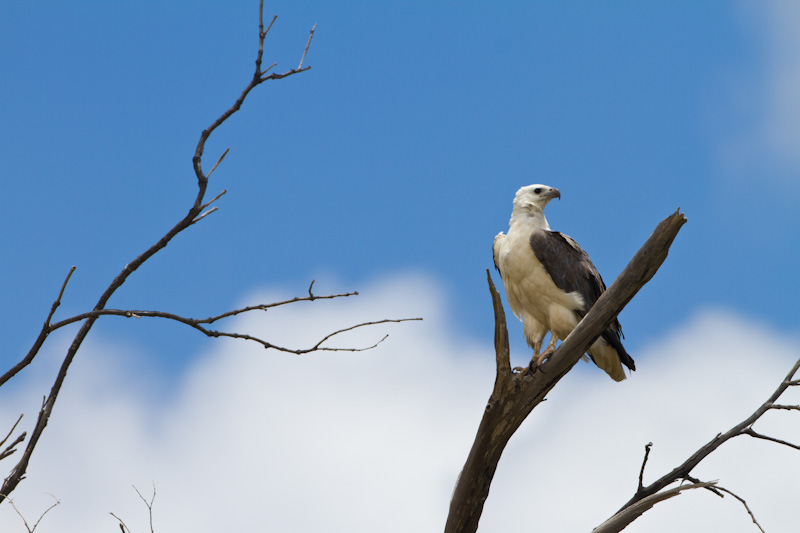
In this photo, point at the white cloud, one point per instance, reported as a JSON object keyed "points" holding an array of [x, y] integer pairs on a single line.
{"points": [[373, 441]]}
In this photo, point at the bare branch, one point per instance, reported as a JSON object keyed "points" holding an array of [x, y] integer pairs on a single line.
{"points": [[18, 472], [259, 77], [198, 324], [217, 197], [46, 329], [624, 517], [750, 431], [269, 68], [644, 462], [11, 448], [129, 313], [501, 348], [201, 216], [148, 504], [746, 507], [515, 395], [786, 407], [216, 165], [316, 347], [124, 528], [32, 529], [319, 346], [2, 442], [743, 428], [310, 35]]}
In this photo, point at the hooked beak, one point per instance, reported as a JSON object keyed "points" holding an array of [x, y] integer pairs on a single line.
{"points": [[553, 193]]}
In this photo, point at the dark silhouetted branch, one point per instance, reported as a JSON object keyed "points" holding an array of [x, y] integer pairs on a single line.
{"points": [[683, 471], [195, 214]]}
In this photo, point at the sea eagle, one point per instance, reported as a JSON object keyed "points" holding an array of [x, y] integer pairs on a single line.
{"points": [[550, 282]]}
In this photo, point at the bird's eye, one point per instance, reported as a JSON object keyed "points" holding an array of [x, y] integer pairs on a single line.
{"points": [[537, 190]]}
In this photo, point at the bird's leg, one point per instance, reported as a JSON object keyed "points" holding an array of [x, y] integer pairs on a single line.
{"points": [[537, 347], [551, 347], [539, 358]]}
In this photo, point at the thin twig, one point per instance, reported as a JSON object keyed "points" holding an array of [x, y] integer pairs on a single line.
{"points": [[747, 507], [217, 164], [198, 324], [269, 68], [351, 328], [131, 313], [11, 448], [785, 407], [201, 216], [60, 295], [148, 504], [32, 529], [45, 331], [316, 347], [644, 462], [217, 197], [2, 442], [310, 35], [124, 528], [753, 433]]}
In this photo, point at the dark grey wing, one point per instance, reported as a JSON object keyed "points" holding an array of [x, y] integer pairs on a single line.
{"points": [[572, 270], [568, 265]]}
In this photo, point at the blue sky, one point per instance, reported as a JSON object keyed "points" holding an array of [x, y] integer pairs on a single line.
{"points": [[397, 155], [399, 151]]}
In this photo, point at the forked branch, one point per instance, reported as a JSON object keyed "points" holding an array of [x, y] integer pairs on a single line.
{"points": [[683, 471], [196, 213], [515, 395]]}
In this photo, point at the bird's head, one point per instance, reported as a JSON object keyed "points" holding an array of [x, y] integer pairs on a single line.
{"points": [[532, 197]]}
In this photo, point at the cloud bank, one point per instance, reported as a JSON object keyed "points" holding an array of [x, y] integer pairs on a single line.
{"points": [[254, 440]]}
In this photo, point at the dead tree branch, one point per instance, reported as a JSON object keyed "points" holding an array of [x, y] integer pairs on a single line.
{"points": [[644, 463], [620, 521], [123, 527], [11, 448], [197, 324], [515, 395], [683, 471], [196, 213], [24, 521]]}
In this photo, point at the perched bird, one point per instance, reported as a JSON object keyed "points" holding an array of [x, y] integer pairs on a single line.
{"points": [[550, 282]]}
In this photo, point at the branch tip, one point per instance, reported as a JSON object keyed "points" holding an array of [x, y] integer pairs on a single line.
{"points": [[644, 462], [310, 35], [218, 162]]}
